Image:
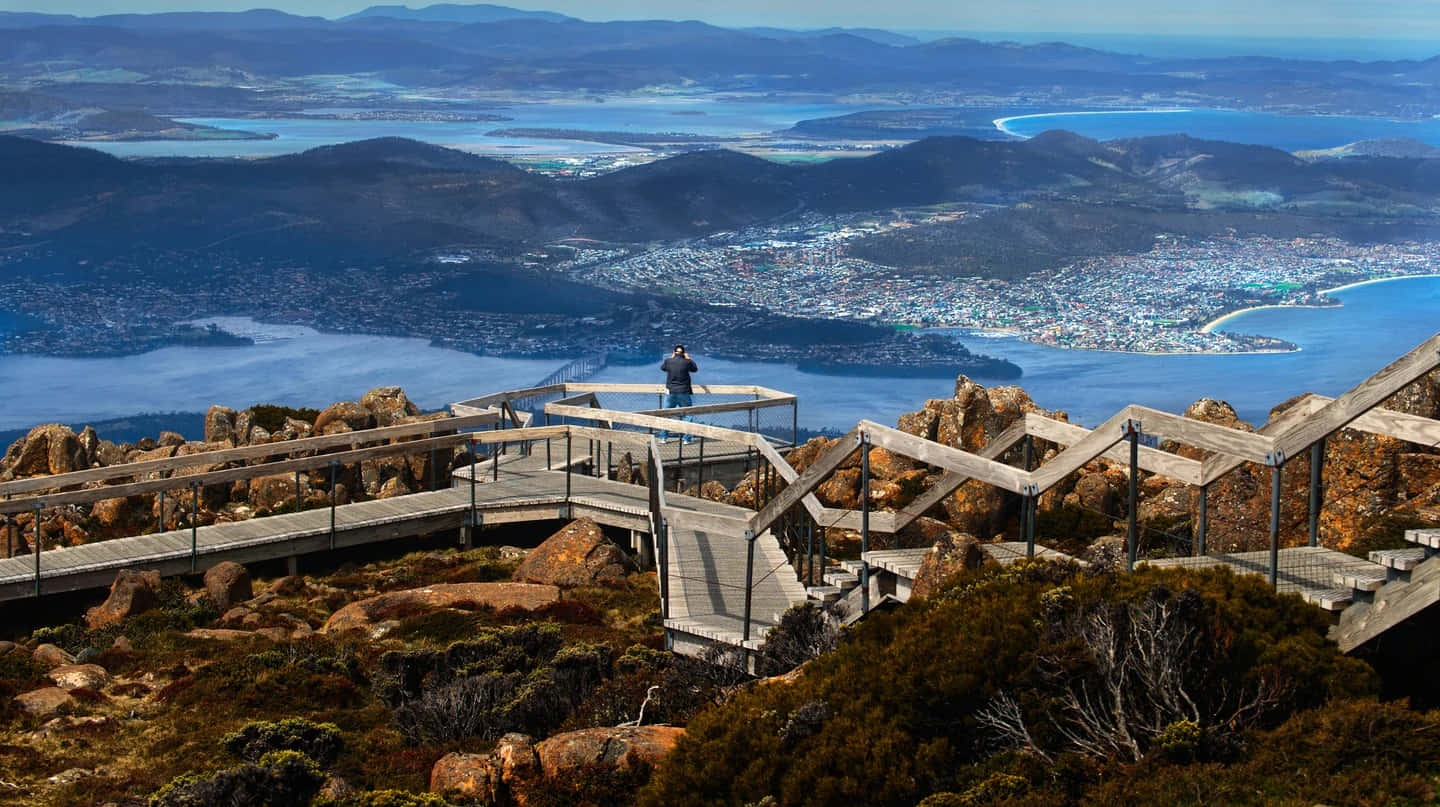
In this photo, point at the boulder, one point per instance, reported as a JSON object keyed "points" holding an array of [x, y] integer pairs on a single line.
{"points": [[47, 449], [107, 453], [516, 756], [363, 614], [623, 748], [75, 676], [89, 445], [352, 415], [394, 486], [288, 586], [244, 422], [171, 439], [220, 424], [953, 553], [388, 405], [276, 491], [131, 593], [1094, 492], [111, 513], [472, 776], [228, 583], [578, 555], [51, 656], [45, 702]]}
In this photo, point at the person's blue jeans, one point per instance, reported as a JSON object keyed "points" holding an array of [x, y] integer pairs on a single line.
{"points": [[676, 400]]}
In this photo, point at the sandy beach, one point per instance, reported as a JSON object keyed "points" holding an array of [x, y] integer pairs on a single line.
{"points": [[1212, 324], [1003, 124]]}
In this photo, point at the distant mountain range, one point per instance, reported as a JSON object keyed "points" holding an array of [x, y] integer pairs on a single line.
{"points": [[1050, 198], [497, 48]]}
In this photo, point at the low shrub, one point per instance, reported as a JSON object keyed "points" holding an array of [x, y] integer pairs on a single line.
{"points": [[319, 741], [280, 777]]}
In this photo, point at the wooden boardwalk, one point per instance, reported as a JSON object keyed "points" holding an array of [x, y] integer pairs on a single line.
{"points": [[706, 549]]}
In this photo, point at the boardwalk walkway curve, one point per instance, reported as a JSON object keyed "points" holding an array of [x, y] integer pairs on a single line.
{"points": [[727, 572]]}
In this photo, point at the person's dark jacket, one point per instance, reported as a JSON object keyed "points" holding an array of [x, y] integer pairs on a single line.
{"points": [[677, 371]]}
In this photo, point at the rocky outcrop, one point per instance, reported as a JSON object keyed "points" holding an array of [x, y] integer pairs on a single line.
{"points": [[344, 416], [578, 555], [220, 425], [46, 449], [228, 583], [51, 656], [622, 748], [470, 776], [387, 405], [131, 593], [950, 555], [364, 614]]}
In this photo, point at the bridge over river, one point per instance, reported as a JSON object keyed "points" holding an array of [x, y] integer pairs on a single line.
{"points": [[727, 571]]}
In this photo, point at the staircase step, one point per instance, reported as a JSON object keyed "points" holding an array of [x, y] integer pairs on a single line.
{"points": [[853, 566], [841, 579], [1368, 580], [1331, 599], [1401, 560], [1430, 538], [824, 593]]}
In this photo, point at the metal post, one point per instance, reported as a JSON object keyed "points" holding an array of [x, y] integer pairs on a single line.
{"points": [[161, 526], [434, 476], [194, 527], [609, 457], [297, 490], [1029, 521], [795, 422], [1275, 524], [472, 485], [809, 565], [822, 556], [1317, 458], [568, 441], [1132, 537], [680, 465], [700, 468], [1204, 519], [334, 470], [495, 461], [1029, 451], [864, 522], [663, 544], [37, 549], [749, 576], [547, 443]]}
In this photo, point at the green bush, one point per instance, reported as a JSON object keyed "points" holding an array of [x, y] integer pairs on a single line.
{"points": [[895, 714], [280, 777], [386, 798], [319, 741]]}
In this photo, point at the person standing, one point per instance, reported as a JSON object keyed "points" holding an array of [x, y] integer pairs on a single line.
{"points": [[677, 369]]}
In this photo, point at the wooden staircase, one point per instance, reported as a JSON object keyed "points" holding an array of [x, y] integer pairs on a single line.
{"points": [[1407, 583]]}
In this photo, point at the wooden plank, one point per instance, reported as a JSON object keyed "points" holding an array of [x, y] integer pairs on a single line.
{"points": [[660, 389], [496, 398], [1363, 397], [1074, 457], [954, 459], [1389, 423], [806, 482], [652, 422], [710, 409], [1251, 446], [222, 456], [951, 480], [1217, 465], [229, 474], [1151, 459]]}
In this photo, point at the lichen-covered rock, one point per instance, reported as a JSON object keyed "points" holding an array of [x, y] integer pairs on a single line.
{"points": [[131, 593], [111, 513], [277, 491], [388, 405], [75, 676], [173, 439], [578, 554], [46, 449], [353, 415], [364, 614], [228, 583], [472, 776], [953, 553], [219, 424], [622, 748]]}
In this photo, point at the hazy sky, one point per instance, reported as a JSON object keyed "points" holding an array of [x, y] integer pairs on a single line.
{"points": [[1401, 19]]}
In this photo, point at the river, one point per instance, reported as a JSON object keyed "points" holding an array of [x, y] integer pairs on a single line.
{"points": [[301, 367]]}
